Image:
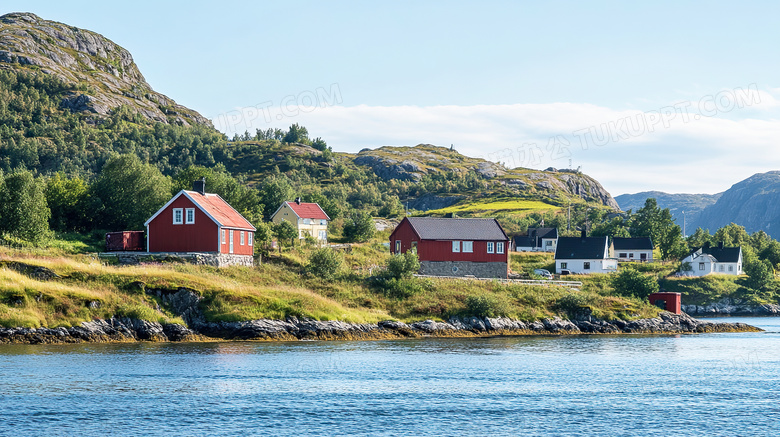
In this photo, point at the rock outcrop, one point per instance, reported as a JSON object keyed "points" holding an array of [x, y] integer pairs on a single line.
{"points": [[104, 72], [732, 307]]}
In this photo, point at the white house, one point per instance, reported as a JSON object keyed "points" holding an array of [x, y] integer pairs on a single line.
{"points": [[633, 249], [708, 260], [582, 255], [538, 239]]}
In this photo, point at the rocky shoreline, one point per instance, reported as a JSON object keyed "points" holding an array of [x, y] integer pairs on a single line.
{"points": [[122, 329], [732, 307]]}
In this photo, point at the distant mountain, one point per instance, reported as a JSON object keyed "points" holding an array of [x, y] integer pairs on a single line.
{"points": [[105, 72], [753, 203], [691, 204]]}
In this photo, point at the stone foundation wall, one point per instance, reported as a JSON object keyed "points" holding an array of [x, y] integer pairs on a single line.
{"points": [[206, 259], [464, 268]]}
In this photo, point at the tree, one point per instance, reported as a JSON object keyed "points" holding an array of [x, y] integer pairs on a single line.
{"points": [[671, 243], [699, 238], [359, 228], [263, 236], [658, 224], [297, 134], [128, 192], [285, 231], [633, 283], [731, 235], [23, 209], [275, 190], [760, 274], [68, 200], [325, 263]]}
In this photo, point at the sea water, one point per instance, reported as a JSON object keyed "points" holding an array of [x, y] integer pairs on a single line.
{"points": [[697, 385]]}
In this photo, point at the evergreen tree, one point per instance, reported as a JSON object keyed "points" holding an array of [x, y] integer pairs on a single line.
{"points": [[23, 209]]}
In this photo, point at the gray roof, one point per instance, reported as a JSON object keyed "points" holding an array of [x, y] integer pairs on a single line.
{"points": [[638, 243], [534, 237], [434, 228], [581, 248]]}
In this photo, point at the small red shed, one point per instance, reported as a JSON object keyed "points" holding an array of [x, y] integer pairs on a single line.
{"points": [[454, 246], [671, 302], [196, 221], [124, 241]]}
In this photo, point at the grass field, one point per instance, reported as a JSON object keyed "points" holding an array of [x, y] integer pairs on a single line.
{"points": [[497, 206]]}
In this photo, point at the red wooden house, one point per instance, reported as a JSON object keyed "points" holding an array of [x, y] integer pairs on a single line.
{"points": [[454, 246], [196, 221]]}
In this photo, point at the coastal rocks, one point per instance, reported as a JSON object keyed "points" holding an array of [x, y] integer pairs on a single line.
{"points": [[36, 272], [732, 307], [115, 329]]}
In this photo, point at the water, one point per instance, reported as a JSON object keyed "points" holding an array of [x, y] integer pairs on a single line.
{"points": [[697, 385]]}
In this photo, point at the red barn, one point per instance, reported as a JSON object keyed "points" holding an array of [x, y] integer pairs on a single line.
{"points": [[454, 246], [196, 221]]}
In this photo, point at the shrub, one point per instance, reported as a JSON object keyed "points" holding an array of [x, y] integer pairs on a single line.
{"points": [[632, 283], [573, 305], [359, 228], [403, 265], [325, 263], [486, 305]]}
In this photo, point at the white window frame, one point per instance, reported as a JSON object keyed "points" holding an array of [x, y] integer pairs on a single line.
{"points": [[468, 247], [564, 265], [249, 236], [491, 247], [586, 265], [178, 213], [324, 222], [242, 238], [397, 246], [500, 247], [231, 240], [222, 235], [189, 216], [306, 221], [323, 235], [455, 246]]}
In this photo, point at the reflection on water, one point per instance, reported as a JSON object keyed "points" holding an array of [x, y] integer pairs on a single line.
{"points": [[713, 384]]}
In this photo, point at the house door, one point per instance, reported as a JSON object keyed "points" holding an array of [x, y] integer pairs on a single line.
{"points": [[231, 240]]}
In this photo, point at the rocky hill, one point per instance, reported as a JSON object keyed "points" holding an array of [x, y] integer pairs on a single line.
{"points": [[105, 73], [415, 163], [691, 204], [753, 203]]}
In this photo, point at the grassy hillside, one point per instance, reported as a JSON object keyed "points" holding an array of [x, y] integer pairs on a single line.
{"points": [[86, 288]]}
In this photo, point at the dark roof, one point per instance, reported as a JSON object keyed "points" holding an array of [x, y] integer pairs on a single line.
{"points": [[639, 243], [722, 254], [534, 237], [581, 248], [434, 228]]}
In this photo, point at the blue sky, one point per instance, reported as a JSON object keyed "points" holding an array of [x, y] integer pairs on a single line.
{"points": [[532, 84]]}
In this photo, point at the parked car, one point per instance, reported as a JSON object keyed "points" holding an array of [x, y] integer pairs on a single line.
{"points": [[543, 273], [564, 272]]}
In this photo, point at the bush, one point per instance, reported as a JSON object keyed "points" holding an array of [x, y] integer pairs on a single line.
{"points": [[632, 283], [325, 263], [574, 305], [486, 305], [403, 265], [359, 228], [402, 288]]}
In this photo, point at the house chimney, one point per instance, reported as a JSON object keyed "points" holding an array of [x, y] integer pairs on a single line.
{"points": [[200, 186], [298, 200], [720, 245]]}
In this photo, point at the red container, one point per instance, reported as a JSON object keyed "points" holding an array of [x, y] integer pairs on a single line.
{"points": [[125, 241], [671, 302]]}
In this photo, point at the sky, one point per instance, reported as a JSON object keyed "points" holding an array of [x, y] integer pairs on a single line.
{"points": [[674, 96]]}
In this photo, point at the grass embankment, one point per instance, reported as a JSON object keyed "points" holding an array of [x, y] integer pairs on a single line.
{"points": [[492, 207], [89, 289]]}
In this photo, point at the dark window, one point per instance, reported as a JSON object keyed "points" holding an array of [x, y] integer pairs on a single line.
{"points": [[586, 265]]}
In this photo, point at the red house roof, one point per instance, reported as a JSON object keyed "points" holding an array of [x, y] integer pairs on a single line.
{"points": [[213, 206], [308, 210]]}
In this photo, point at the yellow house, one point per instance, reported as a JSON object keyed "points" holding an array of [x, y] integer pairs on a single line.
{"points": [[308, 218]]}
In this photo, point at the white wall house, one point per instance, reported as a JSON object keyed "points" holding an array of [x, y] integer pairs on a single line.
{"points": [[584, 255], [713, 260], [537, 240], [633, 249]]}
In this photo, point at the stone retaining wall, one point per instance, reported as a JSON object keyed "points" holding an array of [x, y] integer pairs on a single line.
{"points": [[464, 268], [207, 259]]}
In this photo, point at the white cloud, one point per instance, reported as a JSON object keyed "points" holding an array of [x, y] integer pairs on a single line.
{"points": [[700, 145]]}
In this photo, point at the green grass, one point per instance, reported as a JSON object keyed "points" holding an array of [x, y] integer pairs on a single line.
{"points": [[496, 206]]}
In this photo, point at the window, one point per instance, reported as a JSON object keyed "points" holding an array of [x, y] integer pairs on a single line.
{"points": [[250, 236], [324, 222], [178, 216], [223, 236], [548, 243], [722, 268], [323, 235], [701, 266], [397, 246], [491, 247], [468, 246], [414, 247], [623, 255], [306, 221], [643, 256], [242, 238], [456, 246], [500, 247], [631, 255], [586, 265], [564, 266], [190, 216], [731, 268]]}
